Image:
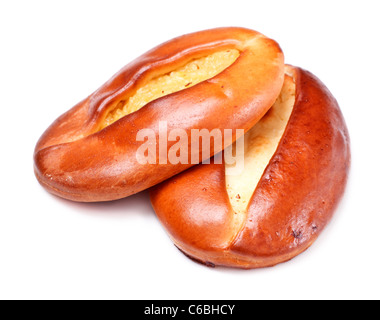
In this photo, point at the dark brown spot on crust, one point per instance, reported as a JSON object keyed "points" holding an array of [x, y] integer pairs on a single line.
{"points": [[209, 264], [297, 234]]}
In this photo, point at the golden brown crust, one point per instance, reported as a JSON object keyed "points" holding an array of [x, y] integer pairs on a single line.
{"points": [[293, 202], [74, 160]]}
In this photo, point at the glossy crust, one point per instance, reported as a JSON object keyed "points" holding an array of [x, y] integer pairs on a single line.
{"points": [[293, 202], [74, 160]]}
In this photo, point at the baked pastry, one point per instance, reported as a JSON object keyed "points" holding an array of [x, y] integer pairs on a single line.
{"points": [[224, 78], [297, 159]]}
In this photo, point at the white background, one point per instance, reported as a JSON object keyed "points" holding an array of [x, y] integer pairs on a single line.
{"points": [[53, 54]]}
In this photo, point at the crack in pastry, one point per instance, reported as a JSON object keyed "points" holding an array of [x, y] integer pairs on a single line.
{"points": [[185, 77], [260, 143]]}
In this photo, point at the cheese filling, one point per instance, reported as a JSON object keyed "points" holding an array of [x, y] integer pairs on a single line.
{"points": [[260, 144], [189, 75]]}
